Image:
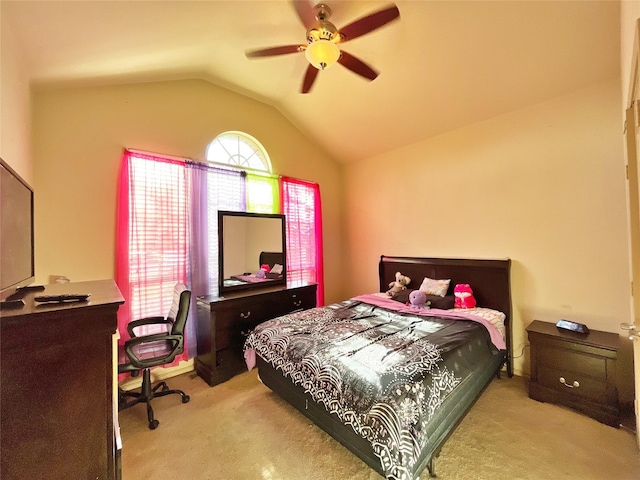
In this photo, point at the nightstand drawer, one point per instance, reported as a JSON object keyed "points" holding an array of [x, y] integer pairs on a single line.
{"points": [[565, 361], [572, 384]]}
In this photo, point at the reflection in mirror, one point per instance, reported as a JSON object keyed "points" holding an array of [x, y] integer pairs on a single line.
{"points": [[252, 250]]}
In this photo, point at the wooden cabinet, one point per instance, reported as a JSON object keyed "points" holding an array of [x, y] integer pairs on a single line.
{"points": [[56, 397], [225, 322], [575, 370]]}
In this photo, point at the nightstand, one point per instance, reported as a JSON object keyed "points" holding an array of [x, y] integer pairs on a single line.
{"points": [[575, 370]]}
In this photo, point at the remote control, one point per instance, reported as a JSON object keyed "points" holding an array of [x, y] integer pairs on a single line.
{"points": [[11, 304], [30, 288], [21, 292], [65, 297]]}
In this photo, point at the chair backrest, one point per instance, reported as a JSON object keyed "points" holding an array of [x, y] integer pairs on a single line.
{"points": [[179, 308], [175, 303]]}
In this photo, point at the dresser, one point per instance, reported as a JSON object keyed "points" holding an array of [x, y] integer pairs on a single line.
{"points": [[225, 321], [56, 399], [575, 370]]}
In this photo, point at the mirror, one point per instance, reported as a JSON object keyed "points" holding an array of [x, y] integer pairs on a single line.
{"points": [[246, 242]]}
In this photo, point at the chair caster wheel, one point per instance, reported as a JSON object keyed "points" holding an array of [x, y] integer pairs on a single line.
{"points": [[153, 425], [186, 399]]}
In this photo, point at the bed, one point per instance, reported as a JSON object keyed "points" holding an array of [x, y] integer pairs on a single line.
{"points": [[388, 381], [272, 259]]}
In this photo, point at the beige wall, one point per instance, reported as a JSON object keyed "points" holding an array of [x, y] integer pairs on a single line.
{"points": [[78, 137], [15, 121], [543, 186]]}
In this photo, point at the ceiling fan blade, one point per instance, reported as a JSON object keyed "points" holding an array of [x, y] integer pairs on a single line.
{"points": [[305, 12], [309, 78], [357, 66], [267, 52], [369, 23]]}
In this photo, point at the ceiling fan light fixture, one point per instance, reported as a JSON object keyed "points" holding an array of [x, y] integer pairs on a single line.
{"points": [[322, 53]]}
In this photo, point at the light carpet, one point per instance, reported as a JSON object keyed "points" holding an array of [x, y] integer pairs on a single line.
{"points": [[240, 430]]}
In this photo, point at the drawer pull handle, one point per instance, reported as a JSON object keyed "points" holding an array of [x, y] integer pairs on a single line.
{"points": [[564, 382], [298, 303], [245, 315]]}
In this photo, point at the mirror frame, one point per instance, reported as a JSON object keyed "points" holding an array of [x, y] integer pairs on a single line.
{"points": [[222, 289]]}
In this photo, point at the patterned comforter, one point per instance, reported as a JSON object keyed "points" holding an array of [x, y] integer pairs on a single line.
{"points": [[384, 373]]}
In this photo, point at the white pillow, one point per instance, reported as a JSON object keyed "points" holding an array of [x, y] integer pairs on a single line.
{"points": [[435, 287]]}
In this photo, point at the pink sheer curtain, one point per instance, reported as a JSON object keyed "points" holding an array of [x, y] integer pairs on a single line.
{"points": [[122, 248], [151, 236], [300, 201]]}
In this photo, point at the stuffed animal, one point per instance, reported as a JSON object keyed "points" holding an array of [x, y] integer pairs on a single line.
{"points": [[400, 284], [262, 273], [418, 299], [464, 296]]}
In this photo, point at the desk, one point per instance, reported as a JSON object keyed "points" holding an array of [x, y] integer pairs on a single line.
{"points": [[56, 395]]}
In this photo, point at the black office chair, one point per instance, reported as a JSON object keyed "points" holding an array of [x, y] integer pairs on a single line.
{"points": [[144, 352]]}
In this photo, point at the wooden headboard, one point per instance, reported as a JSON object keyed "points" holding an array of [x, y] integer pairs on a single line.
{"points": [[271, 258], [489, 279]]}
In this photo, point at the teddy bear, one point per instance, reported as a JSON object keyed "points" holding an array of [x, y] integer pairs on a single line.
{"points": [[399, 284], [418, 299], [464, 296]]}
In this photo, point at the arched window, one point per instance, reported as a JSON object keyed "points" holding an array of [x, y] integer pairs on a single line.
{"points": [[240, 150]]}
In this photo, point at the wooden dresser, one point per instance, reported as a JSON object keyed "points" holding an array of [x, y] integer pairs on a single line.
{"points": [[224, 323], [575, 370], [56, 397]]}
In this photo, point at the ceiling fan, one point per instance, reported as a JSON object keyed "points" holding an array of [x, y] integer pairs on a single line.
{"points": [[323, 38]]}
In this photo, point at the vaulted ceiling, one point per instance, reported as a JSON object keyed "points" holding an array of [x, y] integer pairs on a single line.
{"points": [[443, 65]]}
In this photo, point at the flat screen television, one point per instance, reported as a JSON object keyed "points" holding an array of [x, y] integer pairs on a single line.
{"points": [[246, 242], [17, 266]]}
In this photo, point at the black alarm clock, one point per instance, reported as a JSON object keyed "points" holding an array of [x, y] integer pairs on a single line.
{"points": [[572, 326]]}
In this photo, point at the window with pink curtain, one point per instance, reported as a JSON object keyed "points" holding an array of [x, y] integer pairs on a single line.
{"points": [[300, 202], [152, 237], [167, 233]]}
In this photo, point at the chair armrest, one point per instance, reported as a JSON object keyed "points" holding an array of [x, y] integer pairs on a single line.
{"points": [[129, 345], [145, 321]]}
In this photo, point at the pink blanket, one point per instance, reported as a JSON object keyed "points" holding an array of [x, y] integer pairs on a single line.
{"points": [[250, 278], [388, 303]]}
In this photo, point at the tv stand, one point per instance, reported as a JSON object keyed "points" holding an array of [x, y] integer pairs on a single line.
{"points": [[56, 385]]}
